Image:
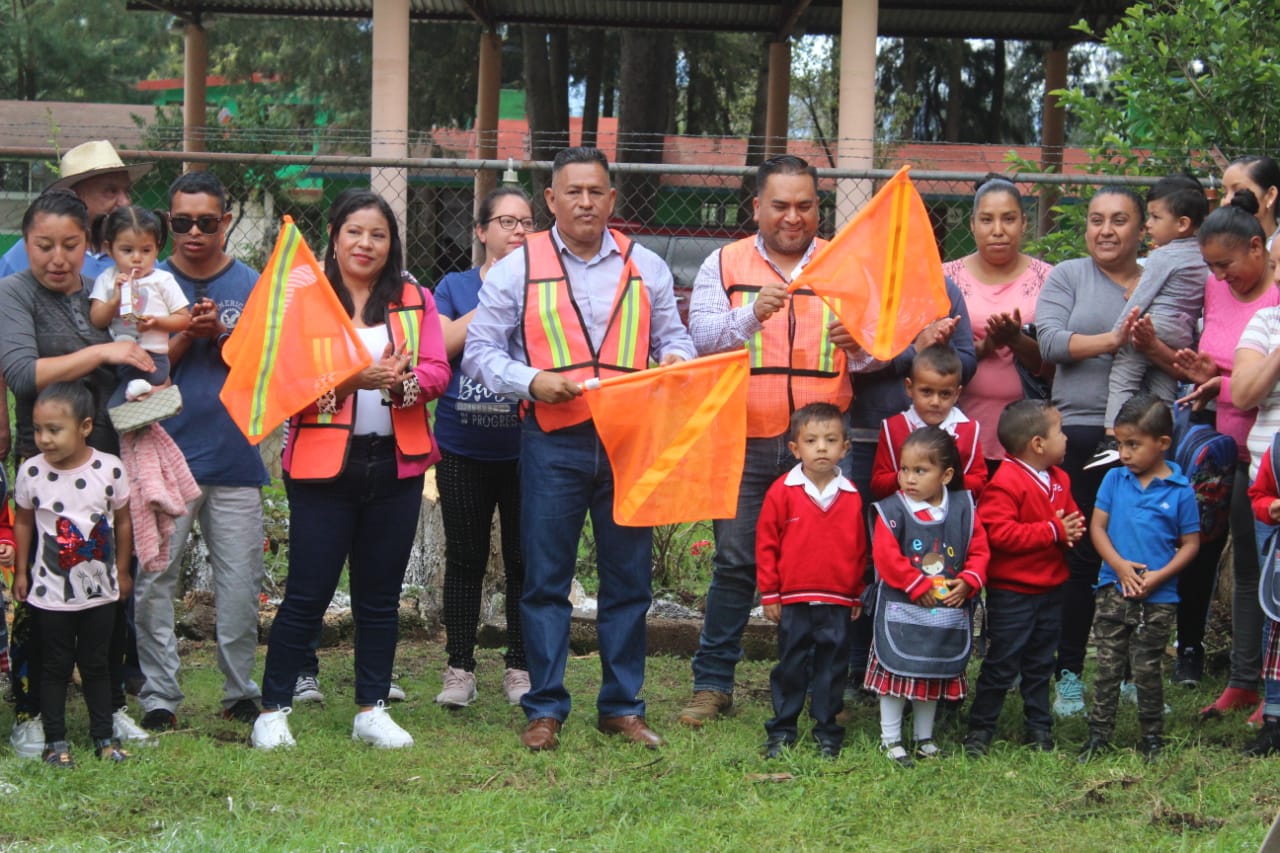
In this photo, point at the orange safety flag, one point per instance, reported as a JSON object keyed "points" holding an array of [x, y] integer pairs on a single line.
{"points": [[676, 438], [882, 274], [292, 343]]}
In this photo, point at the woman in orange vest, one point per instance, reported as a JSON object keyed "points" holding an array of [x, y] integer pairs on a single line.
{"points": [[354, 465]]}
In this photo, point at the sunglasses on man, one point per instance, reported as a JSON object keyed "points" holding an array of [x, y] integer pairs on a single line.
{"points": [[208, 224]]}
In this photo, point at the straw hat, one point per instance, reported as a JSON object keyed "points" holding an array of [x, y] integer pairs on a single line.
{"points": [[98, 157]]}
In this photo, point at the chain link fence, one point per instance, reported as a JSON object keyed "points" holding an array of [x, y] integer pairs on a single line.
{"points": [[681, 210]]}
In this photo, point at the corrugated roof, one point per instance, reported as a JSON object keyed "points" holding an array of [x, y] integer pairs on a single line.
{"points": [[1010, 19]]}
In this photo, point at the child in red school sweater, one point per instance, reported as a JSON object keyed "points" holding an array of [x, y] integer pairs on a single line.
{"points": [[933, 388], [931, 557], [1264, 494], [1031, 520], [811, 552]]}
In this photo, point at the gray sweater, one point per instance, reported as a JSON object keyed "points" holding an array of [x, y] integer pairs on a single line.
{"points": [[1077, 299], [36, 323]]}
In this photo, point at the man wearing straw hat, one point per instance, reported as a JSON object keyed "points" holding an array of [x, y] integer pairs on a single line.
{"points": [[94, 171]]}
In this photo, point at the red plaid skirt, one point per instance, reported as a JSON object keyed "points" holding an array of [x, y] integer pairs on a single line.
{"points": [[879, 680], [1271, 652]]}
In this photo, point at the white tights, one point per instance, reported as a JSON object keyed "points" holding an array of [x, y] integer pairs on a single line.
{"points": [[891, 711]]}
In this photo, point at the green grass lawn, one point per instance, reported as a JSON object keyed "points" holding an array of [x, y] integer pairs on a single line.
{"points": [[468, 785]]}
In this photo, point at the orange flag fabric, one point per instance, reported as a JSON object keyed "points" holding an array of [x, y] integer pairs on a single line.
{"points": [[881, 274], [293, 342], [676, 438]]}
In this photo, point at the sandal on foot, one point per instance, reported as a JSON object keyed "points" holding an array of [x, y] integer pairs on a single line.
{"points": [[58, 754], [897, 753], [109, 750], [926, 749]]}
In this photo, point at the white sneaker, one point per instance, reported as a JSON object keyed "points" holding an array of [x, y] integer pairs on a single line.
{"points": [[271, 730], [515, 683], [459, 688], [27, 739], [123, 728], [306, 690], [395, 693], [376, 728]]}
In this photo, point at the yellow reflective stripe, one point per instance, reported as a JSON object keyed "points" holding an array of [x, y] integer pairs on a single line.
{"points": [[410, 330], [549, 315], [277, 302], [755, 343], [826, 351], [629, 324]]}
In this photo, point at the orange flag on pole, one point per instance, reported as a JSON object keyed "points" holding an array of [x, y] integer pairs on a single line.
{"points": [[882, 274], [676, 438], [293, 342]]}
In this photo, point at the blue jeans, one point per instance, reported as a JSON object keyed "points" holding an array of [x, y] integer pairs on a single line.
{"points": [[367, 516], [563, 476], [733, 581]]}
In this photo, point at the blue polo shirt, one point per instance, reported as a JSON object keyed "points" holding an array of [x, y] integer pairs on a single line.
{"points": [[1145, 525]]}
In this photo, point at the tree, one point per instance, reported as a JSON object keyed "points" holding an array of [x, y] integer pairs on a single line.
{"points": [[1191, 83], [1186, 77], [646, 96], [66, 50]]}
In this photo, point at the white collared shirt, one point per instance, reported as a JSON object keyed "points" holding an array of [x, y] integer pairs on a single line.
{"points": [[824, 497], [955, 416], [937, 513]]}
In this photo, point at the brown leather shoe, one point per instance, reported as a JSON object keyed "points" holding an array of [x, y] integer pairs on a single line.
{"points": [[632, 727], [541, 734]]}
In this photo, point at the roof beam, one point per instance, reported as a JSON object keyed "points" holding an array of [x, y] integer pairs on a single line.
{"points": [[790, 18], [479, 10]]}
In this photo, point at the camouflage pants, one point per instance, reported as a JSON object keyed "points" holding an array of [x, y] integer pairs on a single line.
{"points": [[1132, 632]]}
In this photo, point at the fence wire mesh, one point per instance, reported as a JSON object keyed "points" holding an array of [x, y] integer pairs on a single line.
{"points": [[683, 209]]}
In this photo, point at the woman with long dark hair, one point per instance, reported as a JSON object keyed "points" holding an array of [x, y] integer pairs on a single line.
{"points": [[353, 469]]}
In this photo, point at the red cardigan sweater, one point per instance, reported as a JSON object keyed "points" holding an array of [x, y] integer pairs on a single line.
{"points": [[804, 554], [1028, 540], [894, 431]]}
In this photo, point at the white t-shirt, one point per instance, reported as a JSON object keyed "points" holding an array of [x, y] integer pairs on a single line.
{"points": [[372, 417], [1262, 335], [156, 294], [74, 567]]}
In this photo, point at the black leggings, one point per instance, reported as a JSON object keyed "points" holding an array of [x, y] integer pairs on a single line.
{"points": [[470, 490], [1083, 561], [78, 638]]}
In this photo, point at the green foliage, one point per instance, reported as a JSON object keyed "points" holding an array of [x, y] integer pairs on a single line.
{"points": [[1185, 77], [468, 785], [1189, 84], [69, 50]]}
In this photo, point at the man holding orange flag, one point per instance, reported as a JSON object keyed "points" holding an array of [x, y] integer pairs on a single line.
{"points": [[740, 298], [577, 302]]}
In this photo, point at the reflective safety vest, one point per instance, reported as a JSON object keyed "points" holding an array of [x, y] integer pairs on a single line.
{"points": [[793, 362], [318, 442], [555, 335]]}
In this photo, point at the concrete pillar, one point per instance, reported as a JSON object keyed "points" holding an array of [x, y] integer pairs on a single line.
{"points": [[390, 104], [1053, 131], [195, 65], [778, 99], [487, 97], [855, 147]]}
